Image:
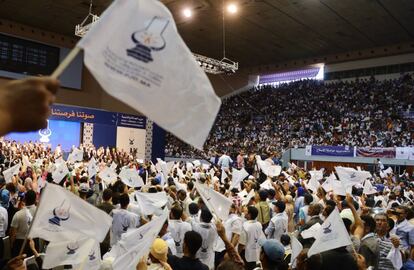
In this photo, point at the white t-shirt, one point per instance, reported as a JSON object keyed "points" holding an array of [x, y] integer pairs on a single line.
{"points": [[4, 220], [233, 225], [122, 220], [208, 233], [251, 234], [177, 229]]}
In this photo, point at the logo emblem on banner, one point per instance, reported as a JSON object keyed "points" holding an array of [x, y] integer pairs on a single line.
{"points": [[148, 40]]}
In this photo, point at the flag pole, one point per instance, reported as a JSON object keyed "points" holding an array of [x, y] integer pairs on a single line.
{"points": [[66, 62]]}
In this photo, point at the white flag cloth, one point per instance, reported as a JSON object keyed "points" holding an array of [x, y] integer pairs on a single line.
{"points": [[339, 188], [216, 202], [180, 173], [267, 184], [59, 161], [368, 188], [350, 176], [296, 250], [246, 198], [108, 175], [151, 203], [313, 184], [67, 252], [9, 173], [311, 232], [61, 214], [60, 172], [148, 66], [26, 162], [93, 261], [113, 166], [75, 156], [179, 186], [92, 168], [237, 177], [131, 178], [189, 166], [205, 166], [274, 170], [164, 169], [395, 257], [331, 235], [317, 175], [197, 163], [328, 184], [135, 244], [39, 162]]}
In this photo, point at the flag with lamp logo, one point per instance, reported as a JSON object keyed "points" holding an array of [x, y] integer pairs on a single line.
{"points": [[136, 54]]}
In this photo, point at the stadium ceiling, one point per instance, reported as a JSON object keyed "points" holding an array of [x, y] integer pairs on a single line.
{"points": [[261, 32]]}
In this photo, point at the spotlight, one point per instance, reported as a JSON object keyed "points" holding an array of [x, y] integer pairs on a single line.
{"points": [[232, 8], [187, 13]]}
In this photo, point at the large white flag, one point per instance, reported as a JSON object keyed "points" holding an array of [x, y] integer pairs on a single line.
{"points": [[63, 214], [67, 252], [216, 202], [331, 235], [137, 56], [350, 176], [136, 243], [237, 177], [150, 203], [223, 175], [317, 175], [9, 173], [60, 172], [131, 178], [328, 184], [93, 261]]}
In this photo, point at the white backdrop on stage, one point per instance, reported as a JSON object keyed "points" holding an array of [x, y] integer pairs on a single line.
{"points": [[131, 138]]}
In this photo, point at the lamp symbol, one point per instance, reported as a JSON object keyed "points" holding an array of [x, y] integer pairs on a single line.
{"points": [[149, 39], [45, 134]]}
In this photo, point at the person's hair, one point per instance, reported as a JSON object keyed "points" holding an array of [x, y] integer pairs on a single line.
{"points": [[271, 193], [182, 192], [118, 187], [253, 212], [190, 185], [308, 199], [347, 223], [392, 196], [124, 200], [316, 208], [176, 211], [280, 205], [404, 208], [285, 239], [193, 241], [193, 208], [263, 194], [115, 198], [205, 215], [391, 223], [11, 187], [107, 194], [30, 197], [331, 203], [369, 221]]}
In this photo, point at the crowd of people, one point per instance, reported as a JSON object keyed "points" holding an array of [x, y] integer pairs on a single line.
{"points": [[270, 213], [358, 113]]}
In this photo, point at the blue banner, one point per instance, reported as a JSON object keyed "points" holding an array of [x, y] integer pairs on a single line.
{"points": [[333, 151], [88, 115]]}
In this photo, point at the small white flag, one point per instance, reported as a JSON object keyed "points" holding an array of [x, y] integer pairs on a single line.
{"points": [[245, 199], [216, 202], [296, 250], [93, 261], [313, 184], [197, 163], [395, 258], [92, 168], [368, 188], [189, 166], [59, 161], [267, 184], [108, 175], [63, 214], [180, 173], [311, 232], [151, 203], [131, 178], [317, 175], [328, 184], [75, 156], [9, 173], [237, 177], [60, 172], [67, 252], [26, 162], [113, 166], [331, 235], [148, 64]]}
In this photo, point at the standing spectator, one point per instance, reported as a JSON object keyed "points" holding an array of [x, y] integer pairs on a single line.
{"points": [[279, 223]]}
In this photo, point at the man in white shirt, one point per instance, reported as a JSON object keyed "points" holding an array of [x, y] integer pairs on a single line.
{"points": [[185, 201], [249, 238], [123, 219], [278, 225], [225, 161], [4, 221], [178, 228], [208, 233], [233, 227]]}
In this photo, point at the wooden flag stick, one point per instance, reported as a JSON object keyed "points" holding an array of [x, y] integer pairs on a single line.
{"points": [[65, 63]]}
